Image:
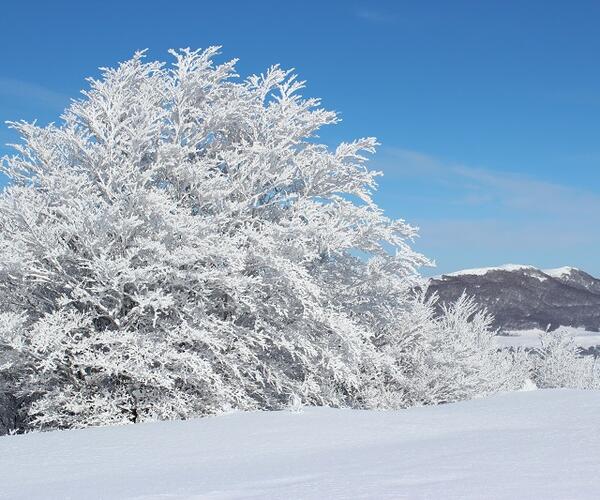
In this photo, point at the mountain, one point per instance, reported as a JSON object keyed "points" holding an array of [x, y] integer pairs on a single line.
{"points": [[524, 297]]}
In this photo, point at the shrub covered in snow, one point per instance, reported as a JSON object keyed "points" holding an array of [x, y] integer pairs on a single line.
{"points": [[180, 244], [558, 363], [441, 358]]}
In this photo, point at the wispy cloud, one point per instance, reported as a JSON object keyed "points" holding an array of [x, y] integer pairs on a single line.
{"points": [[18, 89], [374, 16], [471, 216], [480, 186]]}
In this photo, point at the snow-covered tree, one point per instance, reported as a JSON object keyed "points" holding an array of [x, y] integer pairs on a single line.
{"points": [[181, 244], [443, 357], [558, 363]]}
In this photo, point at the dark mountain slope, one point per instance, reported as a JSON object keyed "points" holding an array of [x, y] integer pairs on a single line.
{"points": [[522, 297]]}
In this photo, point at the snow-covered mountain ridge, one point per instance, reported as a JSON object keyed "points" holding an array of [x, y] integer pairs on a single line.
{"points": [[559, 272], [524, 297], [484, 270]]}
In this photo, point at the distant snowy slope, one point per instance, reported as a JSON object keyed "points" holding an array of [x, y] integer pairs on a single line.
{"points": [[531, 338], [539, 444], [484, 270], [560, 272]]}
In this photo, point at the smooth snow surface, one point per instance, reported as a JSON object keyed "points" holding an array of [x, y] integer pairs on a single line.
{"points": [[531, 338], [537, 444]]}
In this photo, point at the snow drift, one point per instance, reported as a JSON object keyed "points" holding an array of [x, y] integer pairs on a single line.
{"points": [[539, 444]]}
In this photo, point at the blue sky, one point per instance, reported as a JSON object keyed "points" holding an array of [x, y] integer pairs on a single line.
{"points": [[488, 112]]}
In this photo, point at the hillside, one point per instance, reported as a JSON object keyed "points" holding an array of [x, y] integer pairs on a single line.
{"points": [[538, 444], [523, 297]]}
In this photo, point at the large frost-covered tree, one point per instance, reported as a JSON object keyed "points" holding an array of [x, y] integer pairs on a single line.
{"points": [[181, 244]]}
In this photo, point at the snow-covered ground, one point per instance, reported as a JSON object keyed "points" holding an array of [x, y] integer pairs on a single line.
{"points": [[531, 338], [538, 444]]}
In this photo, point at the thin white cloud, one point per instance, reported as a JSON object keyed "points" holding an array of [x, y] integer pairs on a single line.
{"points": [[18, 89], [373, 16], [477, 217], [479, 186]]}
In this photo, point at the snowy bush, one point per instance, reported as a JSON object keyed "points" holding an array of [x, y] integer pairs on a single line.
{"points": [[558, 363], [180, 244], [441, 358]]}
